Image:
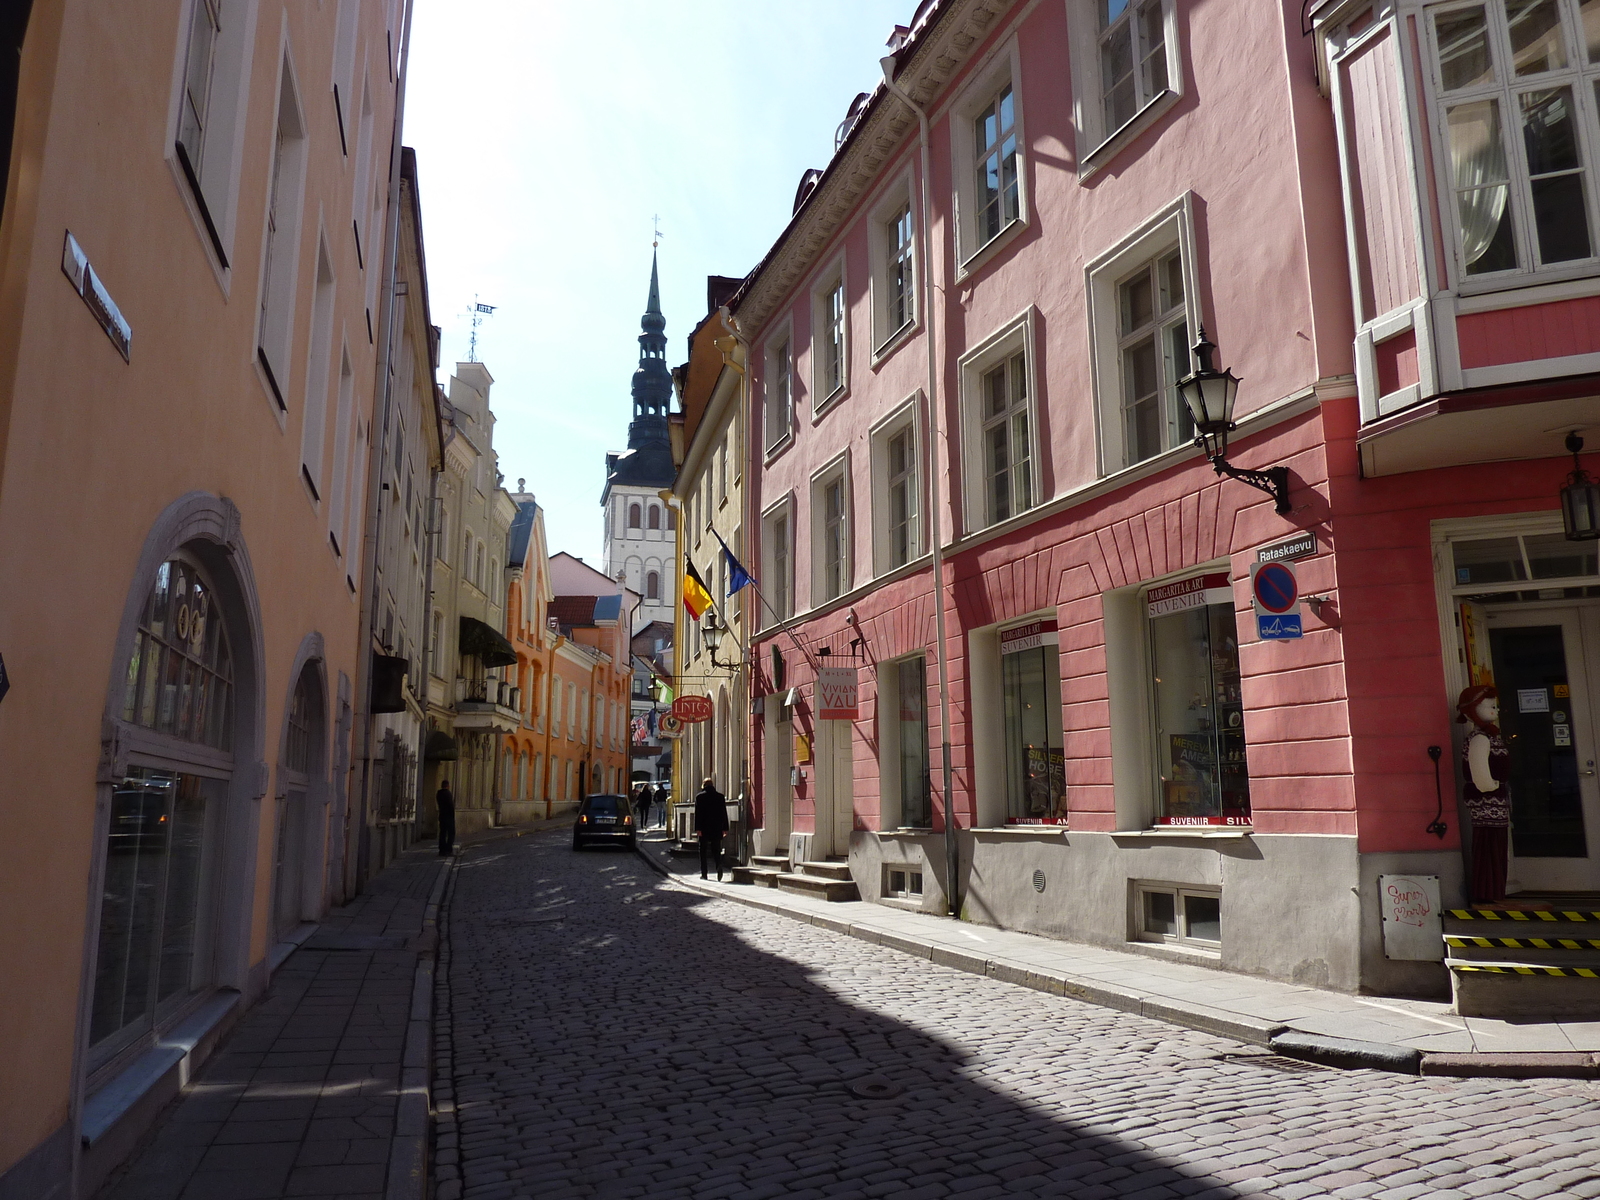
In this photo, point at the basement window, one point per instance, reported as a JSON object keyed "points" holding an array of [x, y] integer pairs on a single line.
{"points": [[902, 884], [1178, 915]]}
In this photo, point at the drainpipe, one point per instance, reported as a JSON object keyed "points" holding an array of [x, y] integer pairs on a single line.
{"points": [[355, 872], [952, 853]]}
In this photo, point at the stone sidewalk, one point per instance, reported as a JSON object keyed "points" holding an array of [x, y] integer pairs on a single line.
{"points": [[1399, 1034], [322, 1089]]}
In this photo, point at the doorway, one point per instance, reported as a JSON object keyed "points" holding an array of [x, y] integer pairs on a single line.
{"points": [[835, 772], [1543, 659]]}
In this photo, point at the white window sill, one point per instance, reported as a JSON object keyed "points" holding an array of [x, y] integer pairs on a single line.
{"points": [[980, 257], [1097, 159], [1202, 953], [908, 903], [893, 342], [830, 401], [1224, 833], [774, 451], [1545, 288], [906, 831], [1031, 831]]}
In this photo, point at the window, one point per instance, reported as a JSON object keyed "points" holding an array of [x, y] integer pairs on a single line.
{"points": [[830, 534], [655, 516], [1518, 79], [779, 391], [672, 518], [777, 531], [1143, 317], [828, 342], [1004, 440], [1133, 58], [652, 585], [902, 497], [1200, 768], [180, 676], [285, 197], [207, 129], [900, 275], [433, 642], [911, 701], [896, 488], [1178, 914], [1153, 349], [722, 472], [477, 568], [995, 143], [1036, 768], [902, 883], [315, 417], [633, 516]]}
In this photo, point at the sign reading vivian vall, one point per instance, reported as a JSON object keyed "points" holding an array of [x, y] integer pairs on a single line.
{"points": [[838, 695]]}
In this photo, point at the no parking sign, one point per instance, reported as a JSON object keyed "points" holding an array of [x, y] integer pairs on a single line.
{"points": [[1275, 594]]}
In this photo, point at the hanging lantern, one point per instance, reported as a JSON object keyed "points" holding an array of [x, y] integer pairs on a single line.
{"points": [[1580, 499]]}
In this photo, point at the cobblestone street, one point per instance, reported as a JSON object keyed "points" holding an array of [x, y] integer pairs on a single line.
{"points": [[604, 1032]]}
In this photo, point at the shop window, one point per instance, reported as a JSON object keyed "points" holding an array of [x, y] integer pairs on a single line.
{"points": [[1036, 765], [1199, 715], [910, 687], [1562, 569], [1178, 915], [902, 884], [151, 947], [180, 677]]}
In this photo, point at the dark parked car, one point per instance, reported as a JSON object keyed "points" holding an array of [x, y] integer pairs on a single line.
{"points": [[604, 820]]}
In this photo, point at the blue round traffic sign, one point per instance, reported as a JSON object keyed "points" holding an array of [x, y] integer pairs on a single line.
{"points": [[1277, 591]]}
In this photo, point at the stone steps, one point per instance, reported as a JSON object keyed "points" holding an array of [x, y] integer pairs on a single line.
{"points": [[1519, 961], [816, 885]]}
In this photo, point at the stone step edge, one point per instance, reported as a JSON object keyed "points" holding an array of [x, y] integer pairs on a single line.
{"points": [[1251, 1030]]}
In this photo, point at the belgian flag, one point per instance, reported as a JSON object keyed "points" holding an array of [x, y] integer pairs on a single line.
{"points": [[696, 596]]}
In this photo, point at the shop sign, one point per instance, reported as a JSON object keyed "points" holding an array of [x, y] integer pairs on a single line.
{"points": [[1028, 637], [86, 282], [1302, 546], [690, 709], [1533, 700], [1197, 591], [838, 695], [669, 726], [1275, 594], [1412, 929]]}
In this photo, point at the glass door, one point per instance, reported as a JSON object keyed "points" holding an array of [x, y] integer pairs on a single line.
{"points": [[1540, 663]]}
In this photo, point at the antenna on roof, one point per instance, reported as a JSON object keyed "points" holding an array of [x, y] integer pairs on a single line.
{"points": [[477, 312]]}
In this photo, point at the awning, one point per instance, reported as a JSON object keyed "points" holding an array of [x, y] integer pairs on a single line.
{"points": [[486, 643], [440, 747]]}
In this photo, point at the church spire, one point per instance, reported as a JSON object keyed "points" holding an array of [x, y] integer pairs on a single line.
{"points": [[652, 382], [653, 305]]}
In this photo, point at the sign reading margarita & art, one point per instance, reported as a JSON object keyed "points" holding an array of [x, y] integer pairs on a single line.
{"points": [[1197, 591]]}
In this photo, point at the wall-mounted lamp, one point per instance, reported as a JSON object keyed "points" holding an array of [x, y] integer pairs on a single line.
{"points": [[713, 630], [1580, 498], [1209, 394]]}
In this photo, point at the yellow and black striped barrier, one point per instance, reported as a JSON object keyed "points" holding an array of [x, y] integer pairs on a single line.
{"points": [[1457, 939], [1525, 969], [1519, 914]]}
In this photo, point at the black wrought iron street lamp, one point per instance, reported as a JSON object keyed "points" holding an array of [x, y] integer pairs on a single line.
{"points": [[1209, 394], [1580, 499], [714, 630]]}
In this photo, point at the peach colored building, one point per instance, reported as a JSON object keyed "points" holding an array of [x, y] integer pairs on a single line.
{"points": [[193, 300]]}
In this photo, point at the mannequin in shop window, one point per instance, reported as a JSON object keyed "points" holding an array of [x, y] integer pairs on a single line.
{"points": [[1485, 767]]}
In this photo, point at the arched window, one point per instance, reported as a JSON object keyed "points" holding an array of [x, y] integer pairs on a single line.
{"points": [[433, 641], [180, 678], [652, 586], [477, 571], [672, 518], [633, 516], [466, 552], [655, 516]]}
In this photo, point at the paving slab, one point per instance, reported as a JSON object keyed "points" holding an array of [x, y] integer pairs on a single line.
{"points": [[1196, 995]]}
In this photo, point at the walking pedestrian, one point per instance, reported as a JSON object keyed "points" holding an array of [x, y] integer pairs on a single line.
{"points": [[647, 797], [447, 818], [710, 823]]}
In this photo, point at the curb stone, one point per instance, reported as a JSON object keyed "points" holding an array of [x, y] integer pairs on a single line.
{"points": [[1576, 1065], [408, 1150], [1346, 1052]]}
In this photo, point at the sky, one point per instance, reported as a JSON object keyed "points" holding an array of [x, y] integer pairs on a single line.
{"points": [[550, 136]]}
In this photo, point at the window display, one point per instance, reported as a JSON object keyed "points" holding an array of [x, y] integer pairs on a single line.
{"points": [[1199, 712], [1036, 765]]}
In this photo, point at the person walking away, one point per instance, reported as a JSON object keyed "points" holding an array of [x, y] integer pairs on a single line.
{"points": [[447, 819], [647, 797], [710, 823]]}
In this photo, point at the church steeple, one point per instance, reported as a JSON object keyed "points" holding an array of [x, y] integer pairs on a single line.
{"points": [[652, 382]]}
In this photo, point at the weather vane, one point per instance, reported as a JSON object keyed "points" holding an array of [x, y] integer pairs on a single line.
{"points": [[656, 224], [477, 312]]}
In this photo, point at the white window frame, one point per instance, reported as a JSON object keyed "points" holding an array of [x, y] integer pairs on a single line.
{"points": [[1179, 893], [1582, 77], [902, 888], [280, 238], [836, 470], [319, 361], [1015, 336], [778, 569], [833, 282], [1097, 144], [907, 417], [885, 253], [1170, 228], [1002, 70], [777, 381], [210, 187]]}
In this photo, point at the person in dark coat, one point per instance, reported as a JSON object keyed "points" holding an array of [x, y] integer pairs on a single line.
{"points": [[647, 797], [710, 823], [447, 818]]}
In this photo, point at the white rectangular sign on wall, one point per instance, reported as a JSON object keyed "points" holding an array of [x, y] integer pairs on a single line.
{"points": [[1412, 928]]}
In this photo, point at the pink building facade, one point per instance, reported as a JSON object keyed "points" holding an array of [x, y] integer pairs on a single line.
{"points": [[1133, 763]]}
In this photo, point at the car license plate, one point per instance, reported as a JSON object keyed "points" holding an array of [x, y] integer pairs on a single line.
{"points": [[605, 820]]}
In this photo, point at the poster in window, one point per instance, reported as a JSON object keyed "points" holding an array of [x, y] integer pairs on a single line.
{"points": [[1045, 786]]}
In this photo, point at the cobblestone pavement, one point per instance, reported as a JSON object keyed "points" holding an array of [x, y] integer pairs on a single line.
{"points": [[611, 1034]]}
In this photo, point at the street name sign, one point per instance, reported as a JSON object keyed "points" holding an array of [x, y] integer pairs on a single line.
{"points": [[1302, 545]]}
